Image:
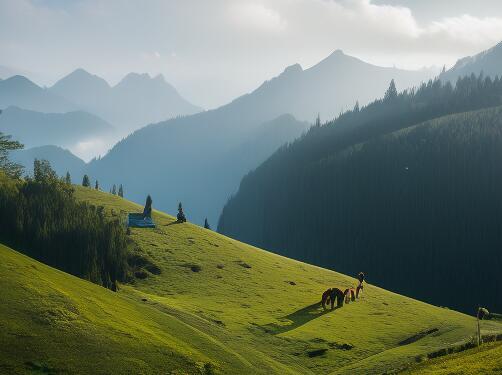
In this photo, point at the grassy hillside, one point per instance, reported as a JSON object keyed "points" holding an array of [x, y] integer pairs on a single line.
{"points": [[217, 306], [484, 360]]}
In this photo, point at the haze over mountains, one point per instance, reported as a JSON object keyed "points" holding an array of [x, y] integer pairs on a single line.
{"points": [[68, 129], [206, 154], [194, 159], [137, 100], [21, 92], [488, 62]]}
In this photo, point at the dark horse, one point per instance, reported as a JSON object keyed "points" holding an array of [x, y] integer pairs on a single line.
{"points": [[330, 295]]}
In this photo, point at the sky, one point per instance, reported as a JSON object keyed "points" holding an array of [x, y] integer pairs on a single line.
{"points": [[215, 50]]}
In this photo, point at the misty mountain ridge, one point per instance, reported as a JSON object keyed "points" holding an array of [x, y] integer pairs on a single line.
{"points": [[135, 101], [331, 86], [34, 128], [488, 62], [209, 152], [21, 92]]}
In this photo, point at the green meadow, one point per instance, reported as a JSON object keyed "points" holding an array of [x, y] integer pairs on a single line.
{"points": [[202, 303]]}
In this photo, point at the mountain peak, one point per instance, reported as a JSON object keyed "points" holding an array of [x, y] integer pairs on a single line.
{"points": [[292, 69], [78, 78], [19, 81]]}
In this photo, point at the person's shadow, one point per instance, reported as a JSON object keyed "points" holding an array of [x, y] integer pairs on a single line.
{"points": [[298, 318]]}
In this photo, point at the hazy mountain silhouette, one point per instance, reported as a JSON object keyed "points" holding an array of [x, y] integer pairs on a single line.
{"points": [[200, 159], [21, 92], [332, 85], [489, 62], [61, 160], [137, 100], [63, 129]]}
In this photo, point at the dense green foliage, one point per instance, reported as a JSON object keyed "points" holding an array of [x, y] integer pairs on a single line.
{"points": [[7, 145], [417, 209], [41, 217]]}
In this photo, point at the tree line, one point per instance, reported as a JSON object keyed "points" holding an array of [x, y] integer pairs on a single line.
{"points": [[40, 217], [86, 182]]}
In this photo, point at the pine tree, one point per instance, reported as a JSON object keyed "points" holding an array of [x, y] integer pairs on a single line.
{"points": [[121, 191], [86, 182], [96, 186], [114, 189], [181, 215], [68, 178], [6, 145], [42, 171], [356, 106], [318, 120], [391, 92], [206, 224], [147, 211]]}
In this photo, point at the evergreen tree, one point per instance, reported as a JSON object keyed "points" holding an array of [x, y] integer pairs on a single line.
{"points": [[121, 191], [114, 189], [86, 182], [356, 107], [96, 186], [318, 121], [67, 179], [147, 211], [7, 145], [42, 171], [206, 224], [41, 217], [391, 92], [181, 215]]}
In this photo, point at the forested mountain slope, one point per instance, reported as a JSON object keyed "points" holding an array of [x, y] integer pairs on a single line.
{"points": [[486, 62], [417, 209], [210, 305]]}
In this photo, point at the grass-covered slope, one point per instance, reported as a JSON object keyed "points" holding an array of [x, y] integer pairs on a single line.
{"points": [[484, 360], [215, 300]]}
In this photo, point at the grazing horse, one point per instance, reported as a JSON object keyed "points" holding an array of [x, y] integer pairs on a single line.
{"points": [[360, 276], [359, 290], [350, 295], [330, 295]]}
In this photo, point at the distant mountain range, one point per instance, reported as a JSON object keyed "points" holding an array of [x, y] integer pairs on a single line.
{"points": [[137, 100], [333, 85], [34, 128], [489, 62], [21, 92], [200, 159]]}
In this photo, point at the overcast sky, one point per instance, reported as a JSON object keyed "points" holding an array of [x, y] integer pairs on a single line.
{"points": [[216, 50]]}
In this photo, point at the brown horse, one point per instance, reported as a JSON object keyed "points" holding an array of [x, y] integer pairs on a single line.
{"points": [[350, 295], [330, 295]]}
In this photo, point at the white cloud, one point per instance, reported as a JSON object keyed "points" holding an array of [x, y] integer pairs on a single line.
{"points": [[255, 17]]}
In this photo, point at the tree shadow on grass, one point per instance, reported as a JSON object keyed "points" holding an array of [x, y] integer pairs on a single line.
{"points": [[297, 318], [172, 223]]}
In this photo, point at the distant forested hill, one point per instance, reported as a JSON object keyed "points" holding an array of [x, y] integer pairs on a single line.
{"points": [[61, 160], [407, 189]]}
